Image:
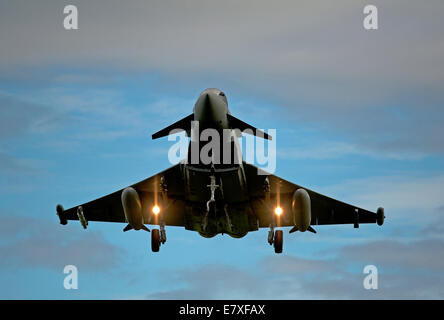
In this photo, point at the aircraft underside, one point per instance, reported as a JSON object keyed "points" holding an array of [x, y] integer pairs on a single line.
{"points": [[216, 197], [222, 218], [217, 201]]}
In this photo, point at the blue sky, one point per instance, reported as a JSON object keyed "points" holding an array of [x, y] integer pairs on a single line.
{"points": [[358, 117]]}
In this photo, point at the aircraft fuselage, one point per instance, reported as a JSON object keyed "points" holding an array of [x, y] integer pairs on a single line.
{"points": [[215, 206]]}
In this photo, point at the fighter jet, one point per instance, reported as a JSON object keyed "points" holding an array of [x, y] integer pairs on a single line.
{"points": [[217, 197]]}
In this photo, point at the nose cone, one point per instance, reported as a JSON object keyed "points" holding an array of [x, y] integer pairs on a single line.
{"points": [[210, 109], [204, 109]]}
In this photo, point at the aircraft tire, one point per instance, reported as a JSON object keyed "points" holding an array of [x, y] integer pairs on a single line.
{"points": [[155, 240], [278, 241]]}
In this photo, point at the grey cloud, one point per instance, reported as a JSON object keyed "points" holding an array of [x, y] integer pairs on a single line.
{"points": [[311, 57], [32, 243], [334, 150], [406, 270], [209, 282], [393, 286], [411, 195], [302, 285], [19, 117], [9, 164], [436, 228], [21, 174], [294, 265], [414, 255], [101, 111]]}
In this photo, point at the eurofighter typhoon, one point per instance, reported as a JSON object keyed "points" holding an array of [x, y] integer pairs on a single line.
{"points": [[211, 196]]}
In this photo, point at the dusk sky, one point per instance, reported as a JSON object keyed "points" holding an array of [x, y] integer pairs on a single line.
{"points": [[359, 117]]}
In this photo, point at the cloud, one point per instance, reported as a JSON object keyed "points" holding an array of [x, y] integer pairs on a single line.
{"points": [[374, 92], [103, 113], [21, 174], [9, 164], [417, 256], [32, 243], [210, 281], [19, 117], [338, 149], [411, 197], [312, 59], [294, 265], [436, 228], [406, 270]]}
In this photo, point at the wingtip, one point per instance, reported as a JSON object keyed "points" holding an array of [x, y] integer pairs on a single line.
{"points": [[60, 213], [59, 208]]}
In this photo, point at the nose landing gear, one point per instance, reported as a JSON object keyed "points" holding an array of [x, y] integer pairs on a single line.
{"points": [[210, 203]]}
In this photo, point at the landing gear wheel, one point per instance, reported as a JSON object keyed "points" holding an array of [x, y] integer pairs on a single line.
{"points": [[278, 241], [155, 240]]}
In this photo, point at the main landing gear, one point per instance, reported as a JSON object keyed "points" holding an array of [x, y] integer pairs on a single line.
{"points": [[276, 238], [158, 237], [155, 240], [278, 241]]}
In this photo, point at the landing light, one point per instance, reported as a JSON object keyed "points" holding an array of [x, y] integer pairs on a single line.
{"points": [[278, 211], [156, 209]]}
